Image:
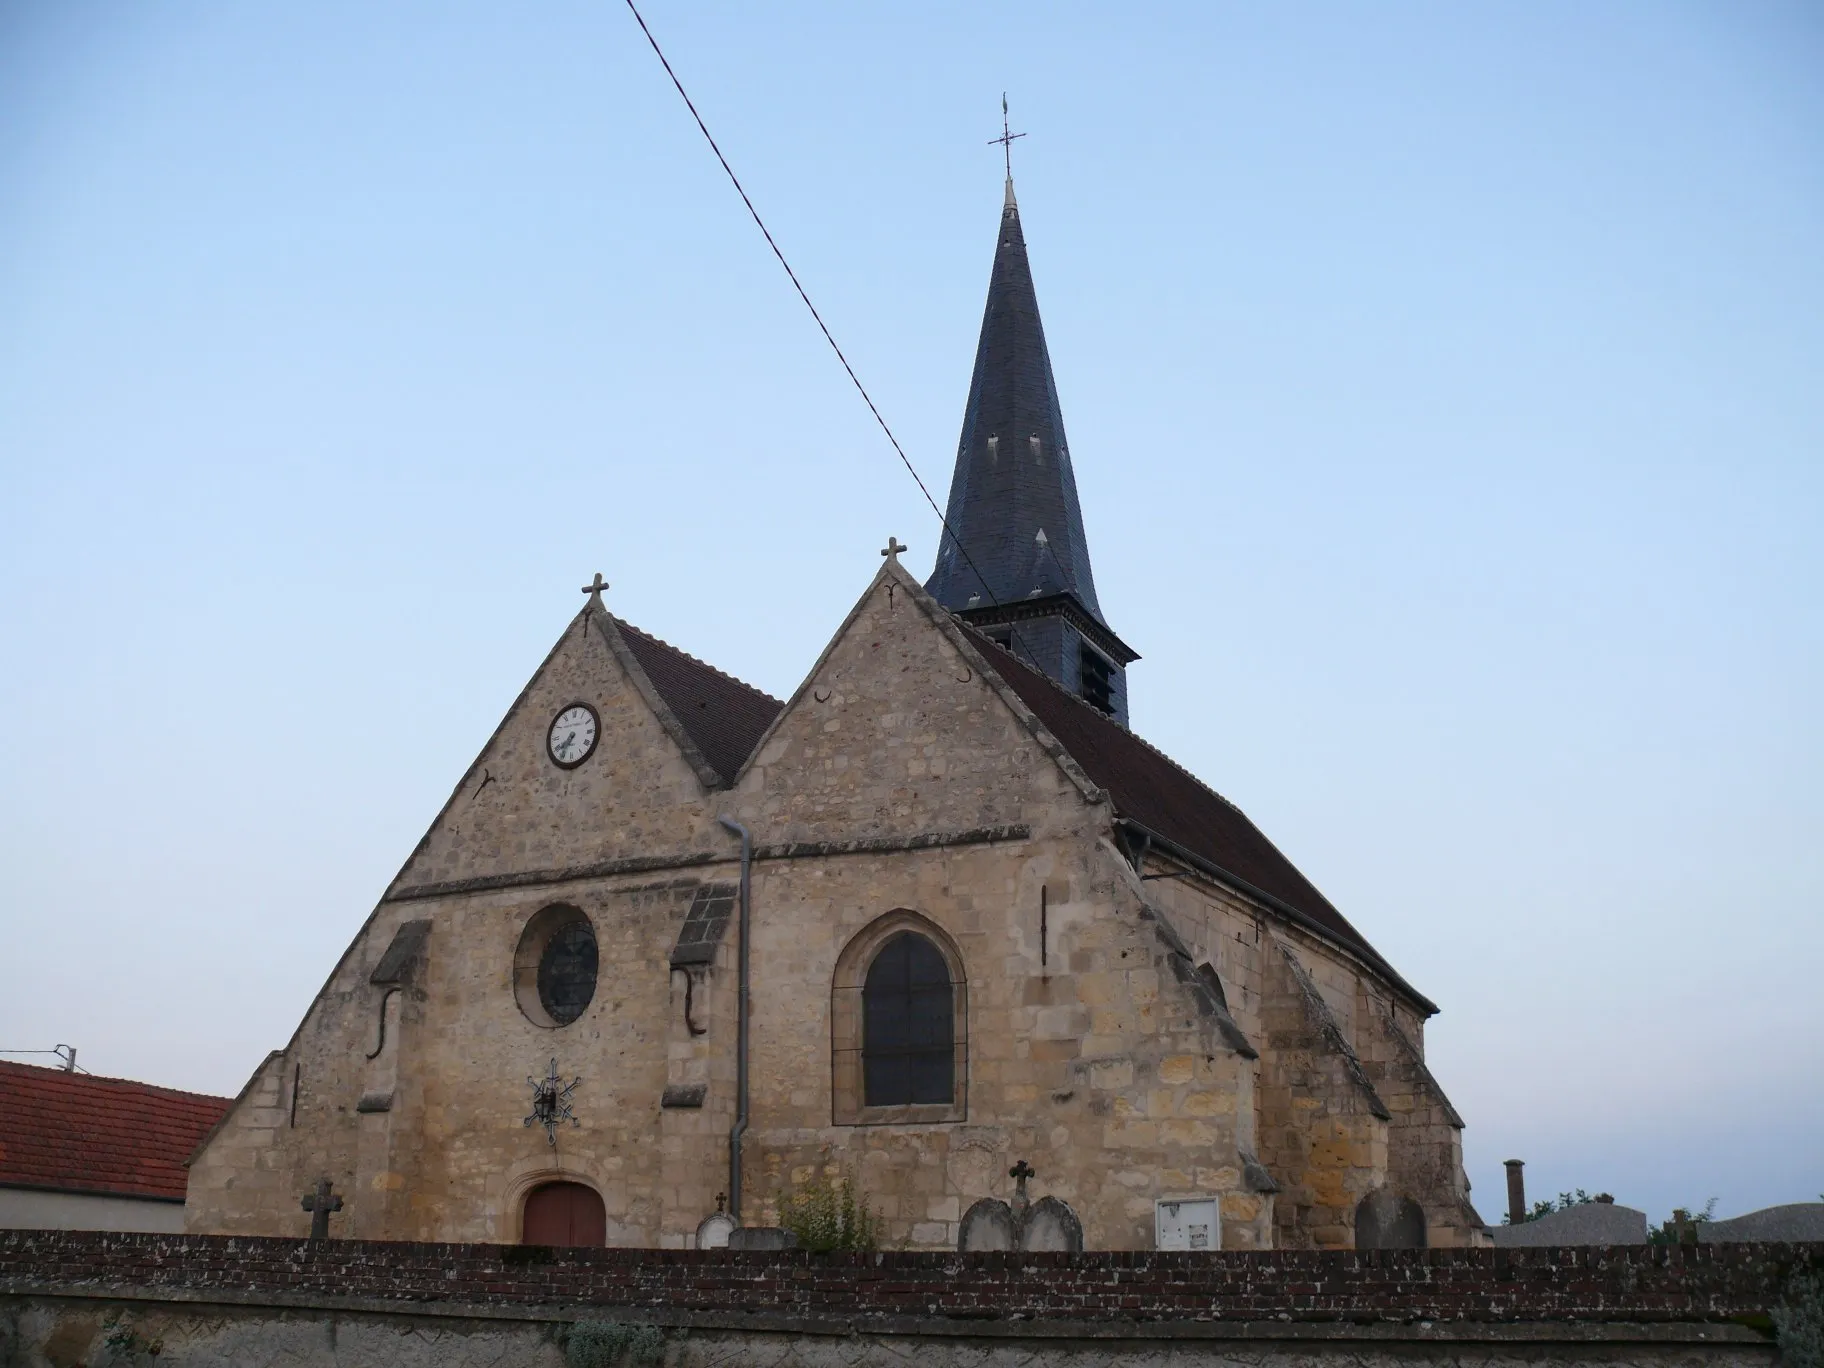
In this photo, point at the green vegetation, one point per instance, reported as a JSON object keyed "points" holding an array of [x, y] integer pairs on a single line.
{"points": [[604, 1344], [828, 1214], [1798, 1322], [1564, 1202]]}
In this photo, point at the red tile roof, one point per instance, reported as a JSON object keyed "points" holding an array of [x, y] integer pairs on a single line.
{"points": [[1149, 788], [74, 1132], [725, 717]]}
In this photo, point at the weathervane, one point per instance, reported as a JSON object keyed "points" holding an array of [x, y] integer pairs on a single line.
{"points": [[1006, 138], [551, 1102]]}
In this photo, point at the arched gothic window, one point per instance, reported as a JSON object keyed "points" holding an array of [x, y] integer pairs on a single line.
{"points": [[907, 1033], [899, 1026]]}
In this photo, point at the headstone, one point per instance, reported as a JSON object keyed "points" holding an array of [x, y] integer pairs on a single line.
{"points": [[1587, 1223], [1050, 1225], [713, 1230], [1386, 1220], [1794, 1221], [988, 1225], [1193, 1223], [761, 1237]]}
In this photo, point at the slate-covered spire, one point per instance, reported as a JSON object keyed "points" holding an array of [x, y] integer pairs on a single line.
{"points": [[1013, 499]]}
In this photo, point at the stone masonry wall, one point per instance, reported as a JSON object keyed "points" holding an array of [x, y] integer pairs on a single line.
{"points": [[901, 780]]}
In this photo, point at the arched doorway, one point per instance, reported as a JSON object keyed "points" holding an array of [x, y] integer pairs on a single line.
{"points": [[564, 1214]]}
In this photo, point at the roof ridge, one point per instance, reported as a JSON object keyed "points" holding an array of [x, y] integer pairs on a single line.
{"points": [[84, 1076], [695, 660], [1097, 712]]}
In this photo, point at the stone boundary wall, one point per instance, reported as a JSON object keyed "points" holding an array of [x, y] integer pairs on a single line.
{"points": [[1635, 1285]]}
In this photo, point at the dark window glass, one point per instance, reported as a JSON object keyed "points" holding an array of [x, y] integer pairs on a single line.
{"points": [[566, 972], [908, 1040]]}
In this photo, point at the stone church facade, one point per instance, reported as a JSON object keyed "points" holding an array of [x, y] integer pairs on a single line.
{"points": [[987, 927]]}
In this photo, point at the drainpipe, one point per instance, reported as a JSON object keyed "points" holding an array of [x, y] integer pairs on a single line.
{"points": [[740, 1127]]}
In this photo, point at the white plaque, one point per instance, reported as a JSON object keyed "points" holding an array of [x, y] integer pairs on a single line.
{"points": [[1189, 1223]]}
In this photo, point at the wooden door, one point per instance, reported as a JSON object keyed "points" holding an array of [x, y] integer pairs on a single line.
{"points": [[564, 1214]]}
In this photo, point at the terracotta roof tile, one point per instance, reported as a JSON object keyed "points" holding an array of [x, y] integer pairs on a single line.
{"points": [[78, 1133], [722, 715]]}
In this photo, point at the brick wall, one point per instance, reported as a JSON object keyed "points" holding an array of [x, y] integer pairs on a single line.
{"points": [[1617, 1284]]}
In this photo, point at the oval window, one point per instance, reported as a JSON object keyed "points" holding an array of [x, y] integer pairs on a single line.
{"points": [[554, 971]]}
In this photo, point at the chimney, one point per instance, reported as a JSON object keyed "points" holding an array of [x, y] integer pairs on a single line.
{"points": [[1516, 1191]]}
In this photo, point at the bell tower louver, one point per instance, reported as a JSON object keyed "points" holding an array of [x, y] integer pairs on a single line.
{"points": [[1026, 579]]}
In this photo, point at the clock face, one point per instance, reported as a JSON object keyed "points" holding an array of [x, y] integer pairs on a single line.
{"points": [[572, 738]]}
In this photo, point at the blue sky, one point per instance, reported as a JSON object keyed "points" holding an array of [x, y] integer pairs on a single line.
{"points": [[1443, 383]]}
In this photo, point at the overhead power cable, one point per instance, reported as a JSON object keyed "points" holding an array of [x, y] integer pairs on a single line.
{"points": [[823, 327]]}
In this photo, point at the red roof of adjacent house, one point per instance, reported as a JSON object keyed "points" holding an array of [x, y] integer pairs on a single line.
{"points": [[77, 1133]]}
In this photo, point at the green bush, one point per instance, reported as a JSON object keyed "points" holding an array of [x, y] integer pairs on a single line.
{"points": [[828, 1213], [1798, 1321], [604, 1344]]}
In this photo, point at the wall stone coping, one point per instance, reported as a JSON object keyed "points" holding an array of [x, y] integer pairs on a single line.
{"points": [[1687, 1291]]}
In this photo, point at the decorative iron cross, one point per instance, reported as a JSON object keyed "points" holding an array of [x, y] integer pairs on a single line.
{"points": [[551, 1103], [1006, 138], [319, 1204], [1020, 1172], [595, 590], [892, 549]]}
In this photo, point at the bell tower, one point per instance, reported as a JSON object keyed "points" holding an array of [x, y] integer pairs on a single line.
{"points": [[1015, 562]]}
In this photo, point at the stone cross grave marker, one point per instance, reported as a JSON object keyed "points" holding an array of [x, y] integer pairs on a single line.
{"points": [[319, 1204]]}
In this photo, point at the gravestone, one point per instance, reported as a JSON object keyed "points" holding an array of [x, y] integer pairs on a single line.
{"points": [[714, 1229], [1051, 1226], [988, 1225], [1385, 1220], [761, 1237]]}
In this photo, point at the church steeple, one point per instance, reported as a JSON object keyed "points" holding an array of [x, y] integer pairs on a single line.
{"points": [[1026, 578]]}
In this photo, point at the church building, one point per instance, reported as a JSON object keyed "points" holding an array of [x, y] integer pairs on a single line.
{"points": [[940, 921]]}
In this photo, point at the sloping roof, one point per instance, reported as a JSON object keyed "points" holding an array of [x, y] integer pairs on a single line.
{"points": [[1149, 788], [77, 1133], [722, 715], [1013, 477]]}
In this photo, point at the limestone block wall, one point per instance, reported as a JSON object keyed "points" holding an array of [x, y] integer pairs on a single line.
{"points": [[1323, 1131], [1326, 1025], [1425, 1133], [449, 1155], [1084, 1057]]}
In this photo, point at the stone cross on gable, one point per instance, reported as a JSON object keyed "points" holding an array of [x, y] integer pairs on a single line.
{"points": [[595, 590], [892, 549], [1020, 1172], [319, 1204]]}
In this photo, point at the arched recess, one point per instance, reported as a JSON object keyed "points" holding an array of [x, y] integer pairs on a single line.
{"points": [[564, 1213], [848, 1022], [1387, 1220]]}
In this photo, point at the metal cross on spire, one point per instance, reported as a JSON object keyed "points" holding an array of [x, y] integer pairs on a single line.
{"points": [[1006, 139]]}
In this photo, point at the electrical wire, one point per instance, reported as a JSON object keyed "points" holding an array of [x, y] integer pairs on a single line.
{"points": [[860, 388]]}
